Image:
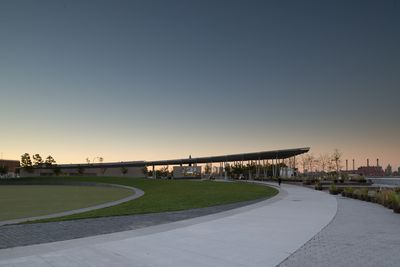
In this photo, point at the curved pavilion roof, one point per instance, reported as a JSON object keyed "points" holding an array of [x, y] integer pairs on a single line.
{"points": [[262, 155]]}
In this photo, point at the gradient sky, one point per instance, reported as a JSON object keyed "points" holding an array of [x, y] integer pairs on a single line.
{"points": [[143, 80]]}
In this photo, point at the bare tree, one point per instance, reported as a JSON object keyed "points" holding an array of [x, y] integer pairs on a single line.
{"points": [[323, 161], [103, 169], [303, 162], [311, 162], [337, 159]]}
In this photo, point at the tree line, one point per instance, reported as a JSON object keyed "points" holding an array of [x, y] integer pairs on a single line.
{"points": [[28, 164]]}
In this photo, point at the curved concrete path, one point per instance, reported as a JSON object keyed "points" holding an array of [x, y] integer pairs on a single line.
{"points": [[361, 234], [136, 194], [262, 234]]}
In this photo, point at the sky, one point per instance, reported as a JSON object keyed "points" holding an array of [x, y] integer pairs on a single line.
{"points": [[148, 80]]}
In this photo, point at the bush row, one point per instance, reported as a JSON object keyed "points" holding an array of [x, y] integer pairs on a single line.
{"points": [[386, 197]]}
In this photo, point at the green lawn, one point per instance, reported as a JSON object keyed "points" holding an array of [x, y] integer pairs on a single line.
{"points": [[21, 201], [167, 195]]}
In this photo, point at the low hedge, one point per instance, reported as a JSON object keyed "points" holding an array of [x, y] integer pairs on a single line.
{"points": [[386, 197]]}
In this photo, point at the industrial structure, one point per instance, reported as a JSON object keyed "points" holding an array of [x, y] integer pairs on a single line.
{"points": [[367, 171]]}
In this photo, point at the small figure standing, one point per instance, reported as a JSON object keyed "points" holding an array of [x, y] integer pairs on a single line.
{"points": [[279, 181]]}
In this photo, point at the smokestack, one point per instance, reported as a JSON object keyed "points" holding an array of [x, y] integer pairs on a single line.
{"points": [[353, 165], [377, 162], [347, 165], [367, 162]]}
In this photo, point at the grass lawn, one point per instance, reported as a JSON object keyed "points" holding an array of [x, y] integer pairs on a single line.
{"points": [[21, 201], [167, 195]]}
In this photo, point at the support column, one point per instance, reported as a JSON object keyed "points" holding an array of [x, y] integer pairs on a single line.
{"points": [[225, 172], [273, 168], [264, 170], [294, 165]]}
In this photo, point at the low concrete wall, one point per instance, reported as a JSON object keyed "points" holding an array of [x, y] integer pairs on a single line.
{"points": [[385, 181], [135, 172]]}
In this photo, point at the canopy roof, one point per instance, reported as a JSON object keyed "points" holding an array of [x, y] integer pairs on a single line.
{"points": [[263, 155]]}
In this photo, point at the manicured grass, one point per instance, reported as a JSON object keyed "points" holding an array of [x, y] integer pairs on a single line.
{"points": [[168, 195], [21, 201]]}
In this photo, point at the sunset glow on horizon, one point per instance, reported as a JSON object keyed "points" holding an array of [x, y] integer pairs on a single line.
{"points": [[151, 80]]}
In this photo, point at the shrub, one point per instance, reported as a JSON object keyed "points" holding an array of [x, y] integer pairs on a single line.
{"points": [[396, 203], [348, 192], [397, 190], [380, 197], [308, 181], [386, 198], [318, 185], [333, 189], [357, 194], [364, 194], [372, 196], [392, 199]]}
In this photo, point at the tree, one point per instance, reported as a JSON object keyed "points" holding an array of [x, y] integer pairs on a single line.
{"points": [[103, 169], [307, 162], [49, 161], [3, 170], [26, 162], [207, 169], [145, 171], [310, 159], [57, 170], [80, 170], [163, 171], [124, 170], [304, 163], [228, 169], [336, 158], [37, 160], [323, 161]]}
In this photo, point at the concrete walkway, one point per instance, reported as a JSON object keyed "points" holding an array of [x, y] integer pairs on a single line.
{"points": [[18, 235], [362, 234], [262, 234]]}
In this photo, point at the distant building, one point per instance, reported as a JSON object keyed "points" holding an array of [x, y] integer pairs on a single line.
{"points": [[388, 170], [187, 171], [10, 165], [375, 171], [286, 172]]}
